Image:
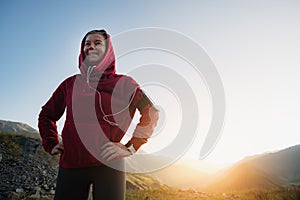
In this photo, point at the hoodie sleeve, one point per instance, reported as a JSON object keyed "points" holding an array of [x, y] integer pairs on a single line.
{"points": [[51, 112], [147, 122]]}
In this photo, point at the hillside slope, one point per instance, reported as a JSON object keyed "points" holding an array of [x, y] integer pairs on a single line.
{"points": [[265, 171], [17, 128], [26, 170], [243, 176], [284, 164], [143, 182]]}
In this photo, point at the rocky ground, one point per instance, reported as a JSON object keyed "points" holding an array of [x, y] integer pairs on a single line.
{"points": [[26, 171]]}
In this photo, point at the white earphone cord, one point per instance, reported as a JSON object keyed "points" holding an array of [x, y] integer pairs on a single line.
{"points": [[105, 116]]}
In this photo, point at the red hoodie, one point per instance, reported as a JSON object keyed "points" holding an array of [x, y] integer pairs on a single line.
{"points": [[100, 105]]}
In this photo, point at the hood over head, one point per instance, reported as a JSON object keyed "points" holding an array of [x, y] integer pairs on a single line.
{"points": [[105, 67], [102, 77]]}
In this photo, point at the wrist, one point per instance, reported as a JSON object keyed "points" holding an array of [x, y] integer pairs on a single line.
{"points": [[131, 149]]}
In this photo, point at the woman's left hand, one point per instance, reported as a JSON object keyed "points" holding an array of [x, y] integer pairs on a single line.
{"points": [[114, 150]]}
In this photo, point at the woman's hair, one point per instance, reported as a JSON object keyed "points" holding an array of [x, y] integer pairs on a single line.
{"points": [[101, 32]]}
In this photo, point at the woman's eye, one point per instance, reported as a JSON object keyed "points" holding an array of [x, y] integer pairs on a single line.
{"points": [[87, 44], [98, 43]]}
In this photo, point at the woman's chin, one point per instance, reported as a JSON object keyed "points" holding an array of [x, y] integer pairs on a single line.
{"points": [[91, 62]]}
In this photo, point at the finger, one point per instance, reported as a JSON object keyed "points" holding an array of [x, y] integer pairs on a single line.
{"points": [[108, 149], [55, 152], [106, 154], [112, 157], [119, 154], [107, 145], [109, 153]]}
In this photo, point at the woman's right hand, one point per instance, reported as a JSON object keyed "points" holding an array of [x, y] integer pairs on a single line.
{"points": [[58, 149]]}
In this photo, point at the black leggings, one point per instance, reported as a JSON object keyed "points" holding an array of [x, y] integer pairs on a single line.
{"points": [[74, 184]]}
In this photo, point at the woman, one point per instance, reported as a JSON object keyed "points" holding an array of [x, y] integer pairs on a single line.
{"points": [[100, 105]]}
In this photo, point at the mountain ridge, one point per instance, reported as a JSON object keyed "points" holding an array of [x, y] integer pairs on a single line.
{"points": [[271, 163], [268, 171], [243, 176], [17, 128]]}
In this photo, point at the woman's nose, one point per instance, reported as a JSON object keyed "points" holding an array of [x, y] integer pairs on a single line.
{"points": [[92, 46]]}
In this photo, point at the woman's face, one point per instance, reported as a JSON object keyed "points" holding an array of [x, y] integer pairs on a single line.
{"points": [[94, 49]]}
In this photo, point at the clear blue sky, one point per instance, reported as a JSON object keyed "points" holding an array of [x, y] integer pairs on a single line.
{"points": [[255, 46]]}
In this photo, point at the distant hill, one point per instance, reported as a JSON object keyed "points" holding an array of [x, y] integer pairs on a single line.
{"points": [[266, 171], [243, 176], [284, 164], [17, 128], [143, 182]]}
